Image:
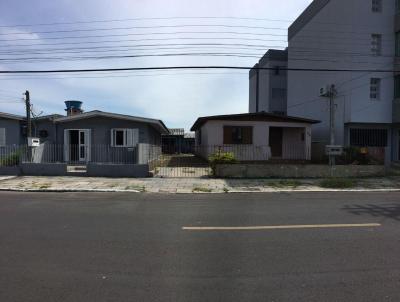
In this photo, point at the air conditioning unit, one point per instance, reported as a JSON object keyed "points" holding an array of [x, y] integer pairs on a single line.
{"points": [[33, 142], [324, 91]]}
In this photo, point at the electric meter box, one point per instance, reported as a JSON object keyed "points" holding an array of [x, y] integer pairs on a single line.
{"points": [[334, 150], [33, 142]]}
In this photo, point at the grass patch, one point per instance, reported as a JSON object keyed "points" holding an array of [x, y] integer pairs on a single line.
{"points": [[285, 183], [201, 189], [338, 183], [44, 186], [225, 189], [137, 188]]}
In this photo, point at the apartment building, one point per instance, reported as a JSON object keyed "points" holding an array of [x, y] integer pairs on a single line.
{"points": [[340, 35], [268, 88], [351, 35]]}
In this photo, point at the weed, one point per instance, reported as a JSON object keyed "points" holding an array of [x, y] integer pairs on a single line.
{"points": [[285, 183], [202, 189], [338, 183]]}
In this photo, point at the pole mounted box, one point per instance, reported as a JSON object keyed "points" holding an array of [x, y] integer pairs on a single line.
{"points": [[33, 142], [334, 150]]}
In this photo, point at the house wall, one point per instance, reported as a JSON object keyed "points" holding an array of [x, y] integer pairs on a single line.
{"points": [[13, 131], [330, 42], [293, 147], [101, 130]]}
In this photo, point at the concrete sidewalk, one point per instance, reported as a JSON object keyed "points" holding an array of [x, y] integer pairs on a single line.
{"points": [[185, 185]]}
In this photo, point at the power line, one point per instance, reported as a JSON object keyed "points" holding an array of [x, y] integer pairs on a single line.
{"points": [[144, 19], [142, 27], [191, 67]]}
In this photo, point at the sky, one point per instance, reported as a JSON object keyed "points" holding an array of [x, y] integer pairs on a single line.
{"points": [[59, 34]]}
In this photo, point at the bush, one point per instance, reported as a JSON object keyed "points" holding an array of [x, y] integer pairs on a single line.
{"points": [[12, 159], [221, 158], [338, 183], [353, 155]]}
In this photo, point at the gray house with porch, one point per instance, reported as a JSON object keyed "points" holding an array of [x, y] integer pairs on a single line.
{"points": [[84, 138]]}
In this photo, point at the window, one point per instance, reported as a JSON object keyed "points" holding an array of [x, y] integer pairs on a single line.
{"points": [[238, 135], [124, 137], [377, 6], [2, 137], [368, 137], [397, 5], [374, 90], [376, 44], [198, 134], [397, 50]]}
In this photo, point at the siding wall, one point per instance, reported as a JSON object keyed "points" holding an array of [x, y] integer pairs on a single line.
{"points": [[13, 131]]}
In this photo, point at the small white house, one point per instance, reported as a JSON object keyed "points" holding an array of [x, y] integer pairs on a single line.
{"points": [[254, 136]]}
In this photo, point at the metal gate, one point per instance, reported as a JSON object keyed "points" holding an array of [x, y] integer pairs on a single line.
{"points": [[181, 165]]}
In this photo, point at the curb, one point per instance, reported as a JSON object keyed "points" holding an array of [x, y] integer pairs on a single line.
{"points": [[177, 192]]}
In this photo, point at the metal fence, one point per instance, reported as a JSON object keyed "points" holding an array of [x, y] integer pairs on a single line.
{"points": [[72, 154]]}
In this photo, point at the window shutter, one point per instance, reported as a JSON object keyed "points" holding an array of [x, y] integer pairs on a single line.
{"points": [[129, 138], [2, 137], [247, 133], [135, 137], [112, 137], [227, 135]]}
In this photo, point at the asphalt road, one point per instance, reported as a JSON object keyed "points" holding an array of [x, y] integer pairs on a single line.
{"points": [[131, 247]]}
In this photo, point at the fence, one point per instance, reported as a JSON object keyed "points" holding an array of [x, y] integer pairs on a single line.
{"points": [[72, 154]]}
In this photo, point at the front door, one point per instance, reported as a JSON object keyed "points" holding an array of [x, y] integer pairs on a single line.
{"points": [[275, 141], [77, 145]]}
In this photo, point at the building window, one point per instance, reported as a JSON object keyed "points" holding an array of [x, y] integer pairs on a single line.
{"points": [[397, 51], [2, 137], [368, 137], [397, 86], [376, 44], [238, 135], [375, 87], [397, 5], [124, 137], [198, 133], [377, 6]]}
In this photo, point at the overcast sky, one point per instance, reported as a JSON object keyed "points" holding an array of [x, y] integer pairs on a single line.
{"points": [[176, 97]]}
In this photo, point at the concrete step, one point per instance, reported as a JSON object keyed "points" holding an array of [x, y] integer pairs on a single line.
{"points": [[76, 169]]}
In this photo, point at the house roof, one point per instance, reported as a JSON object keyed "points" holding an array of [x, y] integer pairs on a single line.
{"points": [[259, 116], [49, 116], [176, 131], [158, 124], [306, 16], [12, 116]]}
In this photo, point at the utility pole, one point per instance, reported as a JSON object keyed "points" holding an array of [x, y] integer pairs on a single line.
{"points": [[332, 95], [28, 114]]}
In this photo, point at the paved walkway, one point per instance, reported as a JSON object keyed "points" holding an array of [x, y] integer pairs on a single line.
{"points": [[183, 185]]}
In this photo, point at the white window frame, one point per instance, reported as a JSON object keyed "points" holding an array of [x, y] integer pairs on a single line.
{"points": [[375, 89], [3, 141], [377, 6], [131, 137], [376, 44]]}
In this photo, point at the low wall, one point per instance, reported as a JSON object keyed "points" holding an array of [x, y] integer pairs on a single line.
{"points": [[37, 169], [12, 170], [297, 171], [117, 170]]}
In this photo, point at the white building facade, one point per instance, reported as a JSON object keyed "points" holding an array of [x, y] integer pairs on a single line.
{"points": [[348, 35]]}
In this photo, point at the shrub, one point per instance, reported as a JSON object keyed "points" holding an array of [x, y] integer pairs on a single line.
{"points": [[221, 158], [11, 159], [338, 183]]}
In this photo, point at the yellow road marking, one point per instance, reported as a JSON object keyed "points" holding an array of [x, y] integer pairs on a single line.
{"points": [[278, 227]]}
